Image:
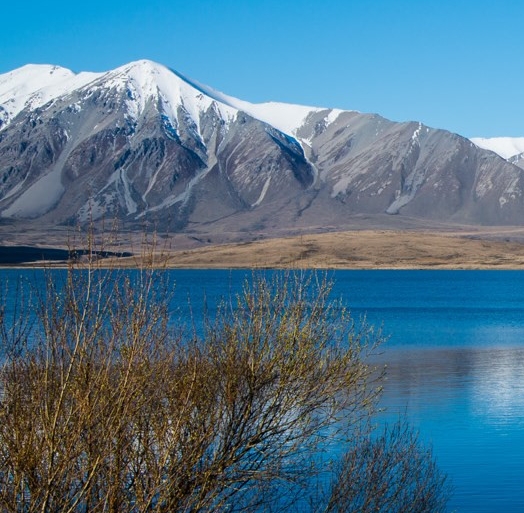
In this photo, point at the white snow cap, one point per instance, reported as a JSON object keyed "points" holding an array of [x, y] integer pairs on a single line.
{"points": [[146, 80], [34, 85], [506, 147], [149, 79]]}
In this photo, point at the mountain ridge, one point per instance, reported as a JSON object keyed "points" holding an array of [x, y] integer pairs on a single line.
{"points": [[144, 144]]}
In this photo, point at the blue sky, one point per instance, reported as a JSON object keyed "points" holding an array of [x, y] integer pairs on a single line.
{"points": [[450, 64]]}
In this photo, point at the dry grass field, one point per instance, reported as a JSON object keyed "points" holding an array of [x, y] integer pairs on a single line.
{"points": [[359, 250]]}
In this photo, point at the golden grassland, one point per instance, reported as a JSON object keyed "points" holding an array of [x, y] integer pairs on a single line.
{"points": [[359, 249], [369, 249]]}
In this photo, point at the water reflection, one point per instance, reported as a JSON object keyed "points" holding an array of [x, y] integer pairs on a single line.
{"points": [[498, 394], [469, 404], [489, 380]]}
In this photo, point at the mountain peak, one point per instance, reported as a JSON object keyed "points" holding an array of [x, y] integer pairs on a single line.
{"points": [[33, 85], [23, 82], [146, 80], [150, 78], [212, 163], [141, 68], [36, 70]]}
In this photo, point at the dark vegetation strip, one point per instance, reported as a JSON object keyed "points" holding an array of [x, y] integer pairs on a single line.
{"points": [[12, 255]]}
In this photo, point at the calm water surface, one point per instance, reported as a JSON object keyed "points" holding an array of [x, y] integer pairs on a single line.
{"points": [[455, 358], [456, 367]]}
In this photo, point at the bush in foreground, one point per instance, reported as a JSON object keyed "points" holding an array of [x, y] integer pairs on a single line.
{"points": [[103, 407]]}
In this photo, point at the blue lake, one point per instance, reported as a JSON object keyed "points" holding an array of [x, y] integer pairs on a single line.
{"points": [[455, 356]]}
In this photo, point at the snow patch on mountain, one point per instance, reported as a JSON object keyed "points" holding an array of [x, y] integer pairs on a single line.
{"points": [[416, 133], [506, 147], [263, 193], [285, 117], [333, 115]]}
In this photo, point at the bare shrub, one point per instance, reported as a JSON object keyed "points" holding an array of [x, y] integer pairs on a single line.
{"points": [[388, 471], [104, 408]]}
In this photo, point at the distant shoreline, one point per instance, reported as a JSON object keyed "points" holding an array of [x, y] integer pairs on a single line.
{"points": [[367, 249]]}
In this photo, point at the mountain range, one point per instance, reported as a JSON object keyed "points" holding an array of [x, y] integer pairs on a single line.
{"points": [[150, 147]]}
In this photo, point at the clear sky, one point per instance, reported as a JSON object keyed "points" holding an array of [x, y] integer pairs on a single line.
{"points": [[454, 64]]}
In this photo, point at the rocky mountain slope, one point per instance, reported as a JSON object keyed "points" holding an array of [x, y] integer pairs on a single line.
{"points": [[144, 144]]}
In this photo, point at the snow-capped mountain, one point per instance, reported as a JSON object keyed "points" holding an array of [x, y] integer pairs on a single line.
{"points": [[32, 86], [146, 144]]}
